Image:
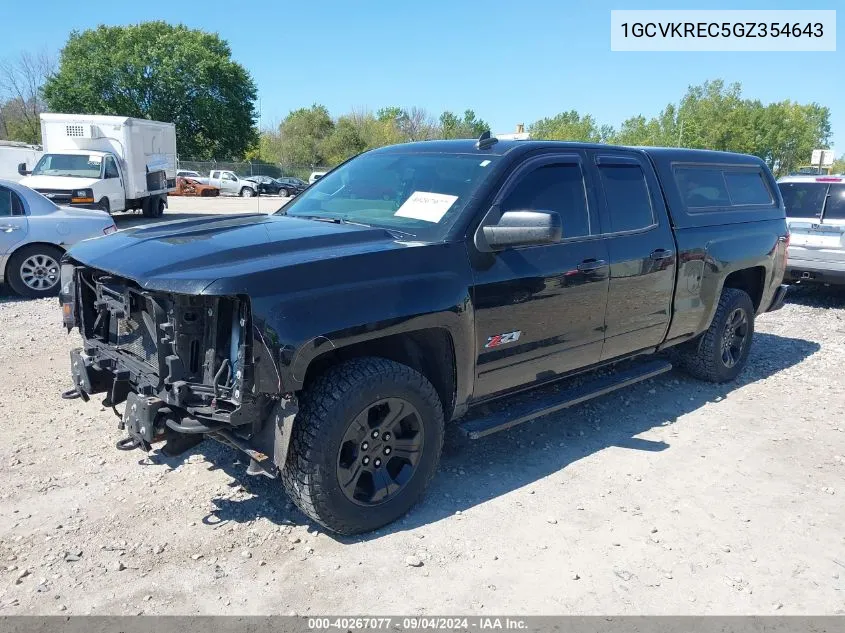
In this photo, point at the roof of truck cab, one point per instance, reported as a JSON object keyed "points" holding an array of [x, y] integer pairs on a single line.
{"points": [[502, 147]]}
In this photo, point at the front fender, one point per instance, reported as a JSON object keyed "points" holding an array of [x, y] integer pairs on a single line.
{"points": [[336, 303]]}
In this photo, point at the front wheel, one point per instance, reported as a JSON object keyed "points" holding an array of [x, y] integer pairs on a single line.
{"points": [[365, 445], [246, 192], [720, 354]]}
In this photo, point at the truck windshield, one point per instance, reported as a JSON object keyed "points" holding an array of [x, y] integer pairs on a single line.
{"points": [[73, 165], [419, 194]]}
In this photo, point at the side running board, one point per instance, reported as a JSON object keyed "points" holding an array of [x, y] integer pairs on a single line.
{"points": [[533, 404]]}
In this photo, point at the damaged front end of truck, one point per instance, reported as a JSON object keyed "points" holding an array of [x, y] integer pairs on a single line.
{"points": [[185, 367]]}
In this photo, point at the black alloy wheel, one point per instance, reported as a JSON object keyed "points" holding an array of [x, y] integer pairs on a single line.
{"points": [[379, 452]]}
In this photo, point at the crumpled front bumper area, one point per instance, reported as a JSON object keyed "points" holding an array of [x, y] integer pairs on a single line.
{"points": [[148, 419]]}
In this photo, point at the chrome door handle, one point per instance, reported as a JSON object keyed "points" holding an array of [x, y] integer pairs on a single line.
{"points": [[590, 265], [661, 253]]}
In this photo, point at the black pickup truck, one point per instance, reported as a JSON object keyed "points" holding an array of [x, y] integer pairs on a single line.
{"points": [[418, 284]]}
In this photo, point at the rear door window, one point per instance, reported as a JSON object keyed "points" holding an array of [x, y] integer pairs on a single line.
{"points": [[803, 199], [10, 204], [628, 200], [835, 209]]}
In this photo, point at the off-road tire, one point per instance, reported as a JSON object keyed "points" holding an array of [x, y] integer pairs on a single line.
{"points": [[327, 408], [13, 270], [702, 358]]}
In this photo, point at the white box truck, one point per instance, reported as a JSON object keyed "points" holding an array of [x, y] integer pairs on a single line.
{"points": [[12, 154], [112, 163]]}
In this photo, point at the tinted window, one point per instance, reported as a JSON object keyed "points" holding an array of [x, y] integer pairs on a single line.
{"points": [[835, 209], [10, 204], [557, 188], [628, 200], [702, 187], [747, 187], [803, 199]]}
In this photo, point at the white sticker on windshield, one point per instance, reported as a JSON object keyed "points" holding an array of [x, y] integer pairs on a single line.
{"points": [[484, 163], [426, 206], [95, 160]]}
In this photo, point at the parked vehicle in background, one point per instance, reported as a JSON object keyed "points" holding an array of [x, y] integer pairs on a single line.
{"points": [[315, 176], [290, 186], [265, 185], [13, 154], [230, 183], [34, 234], [186, 173], [110, 163], [331, 341], [193, 187], [815, 212]]}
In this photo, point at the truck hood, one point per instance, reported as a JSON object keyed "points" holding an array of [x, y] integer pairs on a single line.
{"points": [[58, 182], [186, 256]]}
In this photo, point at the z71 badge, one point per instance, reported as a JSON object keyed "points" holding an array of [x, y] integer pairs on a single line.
{"points": [[501, 339]]}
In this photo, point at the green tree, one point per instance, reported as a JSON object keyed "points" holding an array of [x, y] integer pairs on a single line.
{"points": [[789, 132], [838, 165], [344, 142], [303, 135], [164, 72], [659, 131], [571, 126], [470, 126]]}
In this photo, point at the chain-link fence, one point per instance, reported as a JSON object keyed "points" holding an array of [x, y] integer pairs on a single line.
{"points": [[245, 169]]}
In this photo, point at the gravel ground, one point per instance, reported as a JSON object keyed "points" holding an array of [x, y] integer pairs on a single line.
{"points": [[672, 497]]}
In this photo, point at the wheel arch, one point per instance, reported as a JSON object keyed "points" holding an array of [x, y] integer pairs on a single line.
{"points": [[430, 351], [751, 280]]}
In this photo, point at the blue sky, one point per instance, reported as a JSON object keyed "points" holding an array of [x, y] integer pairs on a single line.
{"points": [[510, 61]]}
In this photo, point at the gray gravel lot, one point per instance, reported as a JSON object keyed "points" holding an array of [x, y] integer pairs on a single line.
{"points": [[672, 497]]}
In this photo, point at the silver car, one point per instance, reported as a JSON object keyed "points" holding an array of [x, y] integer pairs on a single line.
{"points": [[815, 212], [34, 233]]}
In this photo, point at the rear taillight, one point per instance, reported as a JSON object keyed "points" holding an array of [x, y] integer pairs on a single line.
{"points": [[786, 249]]}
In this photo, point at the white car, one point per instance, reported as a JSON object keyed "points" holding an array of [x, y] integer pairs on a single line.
{"points": [[315, 176], [35, 233], [815, 212], [229, 182]]}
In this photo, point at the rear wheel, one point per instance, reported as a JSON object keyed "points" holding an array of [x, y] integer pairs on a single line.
{"points": [[365, 445], [34, 271], [720, 354], [153, 207]]}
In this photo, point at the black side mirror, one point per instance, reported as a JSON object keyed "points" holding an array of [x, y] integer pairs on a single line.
{"points": [[523, 228], [22, 169]]}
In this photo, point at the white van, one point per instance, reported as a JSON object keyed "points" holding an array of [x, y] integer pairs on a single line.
{"points": [[12, 154], [111, 163]]}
